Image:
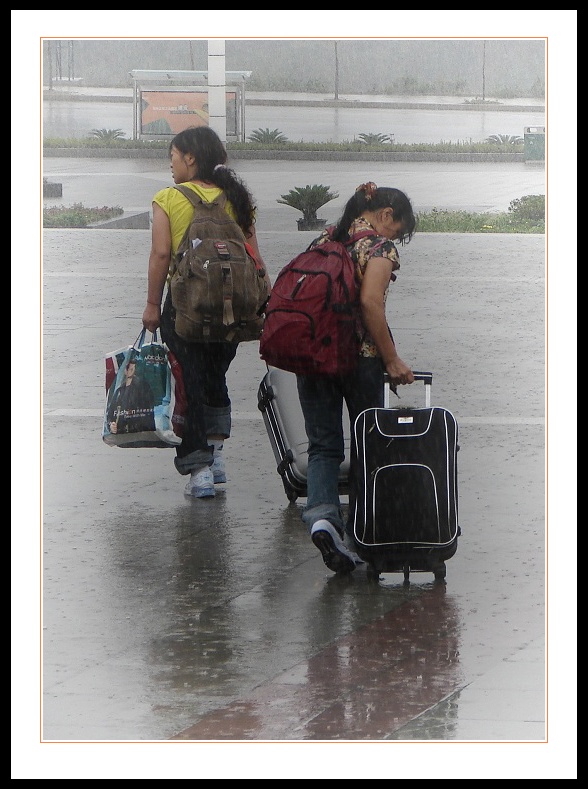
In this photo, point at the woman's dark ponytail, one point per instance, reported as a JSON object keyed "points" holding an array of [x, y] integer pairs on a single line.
{"points": [[211, 156]]}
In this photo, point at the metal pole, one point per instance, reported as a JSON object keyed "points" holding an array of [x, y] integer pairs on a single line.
{"points": [[135, 105], [336, 72], [241, 129], [484, 73]]}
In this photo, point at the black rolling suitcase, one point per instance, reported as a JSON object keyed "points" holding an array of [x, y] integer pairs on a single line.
{"points": [[277, 399], [406, 517]]}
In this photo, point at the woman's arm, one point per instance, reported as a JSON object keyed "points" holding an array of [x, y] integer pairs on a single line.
{"points": [[159, 260], [373, 288]]}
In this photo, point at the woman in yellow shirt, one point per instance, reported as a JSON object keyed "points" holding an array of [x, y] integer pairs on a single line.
{"points": [[197, 160]]}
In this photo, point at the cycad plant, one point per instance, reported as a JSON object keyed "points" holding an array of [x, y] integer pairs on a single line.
{"points": [[308, 199], [373, 138], [504, 139], [267, 136], [107, 134]]}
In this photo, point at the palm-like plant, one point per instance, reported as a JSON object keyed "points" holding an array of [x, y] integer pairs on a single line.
{"points": [[374, 139], [267, 136], [107, 134], [308, 199], [504, 139]]}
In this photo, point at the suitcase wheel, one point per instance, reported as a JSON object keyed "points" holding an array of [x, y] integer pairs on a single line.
{"points": [[440, 571], [290, 492], [372, 573]]}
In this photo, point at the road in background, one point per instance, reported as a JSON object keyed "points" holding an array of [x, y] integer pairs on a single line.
{"points": [[313, 124]]}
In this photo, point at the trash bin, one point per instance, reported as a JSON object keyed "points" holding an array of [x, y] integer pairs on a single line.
{"points": [[534, 143]]}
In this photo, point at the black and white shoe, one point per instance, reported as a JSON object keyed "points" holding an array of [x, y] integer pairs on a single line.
{"points": [[336, 555]]}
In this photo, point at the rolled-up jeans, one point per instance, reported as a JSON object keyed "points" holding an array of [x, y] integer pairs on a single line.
{"points": [[204, 368], [321, 399]]}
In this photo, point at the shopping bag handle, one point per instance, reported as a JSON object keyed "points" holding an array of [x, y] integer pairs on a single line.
{"points": [[140, 341]]}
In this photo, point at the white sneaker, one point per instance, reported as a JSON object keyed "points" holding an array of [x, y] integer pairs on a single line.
{"points": [[200, 484], [218, 469], [336, 555]]}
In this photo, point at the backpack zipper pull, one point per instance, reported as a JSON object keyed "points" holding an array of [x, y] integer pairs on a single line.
{"points": [[299, 282]]}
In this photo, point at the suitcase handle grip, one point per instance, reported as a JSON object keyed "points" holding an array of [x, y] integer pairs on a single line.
{"points": [[427, 379], [418, 376]]}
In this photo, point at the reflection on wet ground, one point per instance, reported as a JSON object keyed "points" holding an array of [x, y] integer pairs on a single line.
{"points": [[183, 620], [177, 621], [366, 685]]}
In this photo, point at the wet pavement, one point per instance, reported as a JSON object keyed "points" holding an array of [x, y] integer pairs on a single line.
{"points": [[178, 621]]}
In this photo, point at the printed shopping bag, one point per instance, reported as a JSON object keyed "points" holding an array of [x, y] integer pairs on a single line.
{"points": [[145, 397]]}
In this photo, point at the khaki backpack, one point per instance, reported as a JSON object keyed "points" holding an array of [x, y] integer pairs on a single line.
{"points": [[218, 289]]}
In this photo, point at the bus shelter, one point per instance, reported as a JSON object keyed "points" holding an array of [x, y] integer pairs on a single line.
{"points": [[167, 102]]}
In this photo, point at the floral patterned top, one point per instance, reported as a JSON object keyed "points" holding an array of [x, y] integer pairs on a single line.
{"points": [[364, 249]]}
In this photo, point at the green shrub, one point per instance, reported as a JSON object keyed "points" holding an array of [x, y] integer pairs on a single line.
{"points": [[513, 221], [97, 142], [77, 216], [529, 208], [461, 146]]}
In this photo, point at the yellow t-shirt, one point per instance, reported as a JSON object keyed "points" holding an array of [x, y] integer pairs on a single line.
{"points": [[179, 209]]}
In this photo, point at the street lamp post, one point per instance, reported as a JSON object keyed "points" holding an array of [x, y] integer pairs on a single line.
{"points": [[336, 72], [484, 72]]}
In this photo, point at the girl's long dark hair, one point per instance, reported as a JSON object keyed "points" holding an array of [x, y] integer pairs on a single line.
{"points": [[380, 197], [208, 150]]}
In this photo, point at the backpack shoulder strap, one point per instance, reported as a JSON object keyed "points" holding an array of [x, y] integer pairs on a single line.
{"points": [[196, 200], [360, 234], [189, 194], [352, 239], [364, 234]]}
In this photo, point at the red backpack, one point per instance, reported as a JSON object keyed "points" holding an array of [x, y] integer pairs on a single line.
{"points": [[312, 316]]}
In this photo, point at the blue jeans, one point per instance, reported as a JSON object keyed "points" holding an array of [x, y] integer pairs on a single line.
{"points": [[204, 368], [321, 399]]}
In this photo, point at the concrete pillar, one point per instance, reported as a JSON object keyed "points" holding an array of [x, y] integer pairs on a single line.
{"points": [[217, 107]]}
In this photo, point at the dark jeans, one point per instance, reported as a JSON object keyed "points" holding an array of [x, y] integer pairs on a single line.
{"points": [[321, 399], [204, 367]]}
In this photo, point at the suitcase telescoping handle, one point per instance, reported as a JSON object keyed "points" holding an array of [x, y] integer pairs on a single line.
{"points": [[427, 379]]}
